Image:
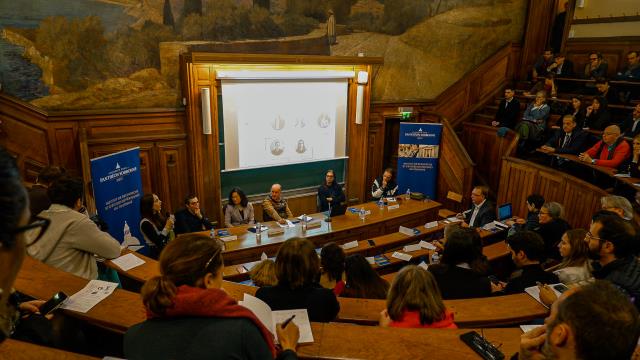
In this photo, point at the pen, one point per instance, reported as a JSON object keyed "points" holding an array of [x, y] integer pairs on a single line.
{"points": [[286, 322]]}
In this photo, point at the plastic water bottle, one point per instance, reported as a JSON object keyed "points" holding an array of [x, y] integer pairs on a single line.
{"points": [[435, 258], [258, 231], [212, 234], [362, 214], [381, 204], [304, 222], [408, 194]]}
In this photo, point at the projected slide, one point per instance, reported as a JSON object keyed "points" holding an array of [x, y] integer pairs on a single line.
{"points": [[276, 122]]}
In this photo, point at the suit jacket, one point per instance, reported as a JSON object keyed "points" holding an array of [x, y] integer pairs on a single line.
{"points": [[565, 71], [577, 143], [486, 214], [627, 125], [507, 114]]}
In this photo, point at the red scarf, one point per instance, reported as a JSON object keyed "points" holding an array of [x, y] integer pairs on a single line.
{"points": [[193, 301]]}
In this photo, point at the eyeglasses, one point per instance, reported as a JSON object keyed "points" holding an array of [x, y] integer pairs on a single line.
{"points": [[35, 230]]}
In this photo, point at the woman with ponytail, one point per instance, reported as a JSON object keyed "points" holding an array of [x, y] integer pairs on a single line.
{"points": [[189, 316]]}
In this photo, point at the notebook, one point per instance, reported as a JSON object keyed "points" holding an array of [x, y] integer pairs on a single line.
{"points": [[270, 318]]}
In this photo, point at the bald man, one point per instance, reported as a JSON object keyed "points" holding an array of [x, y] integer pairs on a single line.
{"points": [[609, 152], [274, 207]]}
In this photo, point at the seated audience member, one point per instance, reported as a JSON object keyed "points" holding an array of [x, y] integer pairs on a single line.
{"points": [[155, 228], [577, 110], [540, 68], [20, 320], [569, 139], [274, 207], [610, 152], [561, 67], [631, 125], [297, 269], [534, 204], [631, 72], [482, 210], [632, 165], [623, 208], [607, 92], [72, 239], [264, 274], [534, 120], [611, 244], [596, 67], [38, 198], [454, 276], [330, 194], [547, 84], [592, 322], [552, 227], [362, 281], [191, 218], [508, 110], [332, 267], [527, 253], [239, 210], [384, 186], [575, 266], [414, 301], [597, 116], [187, 302]]}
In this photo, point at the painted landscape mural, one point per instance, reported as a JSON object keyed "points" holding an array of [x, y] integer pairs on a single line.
{"points": [[108, 54]]}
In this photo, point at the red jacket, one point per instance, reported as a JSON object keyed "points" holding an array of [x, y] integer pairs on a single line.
{"points": [[620, 154], [411, 319]]}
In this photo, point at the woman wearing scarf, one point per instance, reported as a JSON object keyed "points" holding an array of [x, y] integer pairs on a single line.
{"points": [[189, 316]]}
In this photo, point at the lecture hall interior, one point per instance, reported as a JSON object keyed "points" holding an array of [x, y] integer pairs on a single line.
{"points": [[317, 179]]}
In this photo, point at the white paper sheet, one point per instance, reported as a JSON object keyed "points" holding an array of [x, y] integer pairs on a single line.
{"points": [[527, 328], [427, 245], [127, 262], [423, 265], [534, 291], [430, 225], [288, 224], [412, 247], [350, 245], [405, 230], [270, 318], [94, 292], [401, 256], [371, 260]]}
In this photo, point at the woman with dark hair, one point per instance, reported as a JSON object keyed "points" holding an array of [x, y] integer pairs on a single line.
{"points": [[298, 269], [330, 194], [576, 109], [454, 275], [362, 281], [151, 223], [414, 301], [575, 266], [597, 116], [239, 210], [332, 271], [20, 320], [189, 316]]}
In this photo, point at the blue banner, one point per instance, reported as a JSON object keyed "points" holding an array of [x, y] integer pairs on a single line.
{"points": [[117, 188], [418, 154]]}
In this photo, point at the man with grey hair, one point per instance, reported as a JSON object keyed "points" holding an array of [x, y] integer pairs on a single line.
{"points": [[609, 152], [274, 207], [618, 205]]}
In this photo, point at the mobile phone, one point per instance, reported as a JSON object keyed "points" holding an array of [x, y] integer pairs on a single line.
{"points": [[560, 288], [53, 303], [371, 242]]}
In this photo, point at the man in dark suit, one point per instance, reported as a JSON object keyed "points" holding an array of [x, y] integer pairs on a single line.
{"points": [[482, 210], [568, 140], [631, 125], [561, 67], [508, 110]]}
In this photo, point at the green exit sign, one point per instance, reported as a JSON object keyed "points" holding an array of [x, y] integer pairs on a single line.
{"points": [[406, 115]]}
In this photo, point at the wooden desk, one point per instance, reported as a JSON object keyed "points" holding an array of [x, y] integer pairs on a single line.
{"points": [[348, 341], [411, 213], [20, 350]]}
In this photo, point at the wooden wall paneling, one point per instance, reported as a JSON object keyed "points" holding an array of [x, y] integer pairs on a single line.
{"points": [[580, 202], [455, 169], [516, 183], [539, 20], [172, 182], [375, 153], [29, 143], [456, 105], [494, 76], [551, 184], [64, 146], [358, 136]]}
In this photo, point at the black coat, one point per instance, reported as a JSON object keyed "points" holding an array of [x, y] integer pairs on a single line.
{"points": [[528, 277], [486, 214], [507, 114], [551, 233], [627, 125], [335, 192], [321, 303], [579, 141]]}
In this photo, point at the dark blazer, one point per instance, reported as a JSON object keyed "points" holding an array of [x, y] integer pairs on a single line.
{"points": [[321, 303], [455, 282], [336, 194], [578, 142], [507, 114], [186, 222], [626, 126], [528, 277], [598, 120], [486, 214], [566, 70]]}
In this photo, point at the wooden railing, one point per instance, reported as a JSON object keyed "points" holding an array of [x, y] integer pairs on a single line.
{"points": [[455, 171]]}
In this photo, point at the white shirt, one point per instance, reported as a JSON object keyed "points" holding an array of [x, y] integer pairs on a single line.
{"points": [[475, 213]]}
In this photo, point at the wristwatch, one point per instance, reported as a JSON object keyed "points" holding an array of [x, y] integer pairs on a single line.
{"points": [[593, 161]]}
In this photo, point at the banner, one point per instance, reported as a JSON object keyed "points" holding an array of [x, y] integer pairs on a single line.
{"points": [[418, 154], [117, 188]]}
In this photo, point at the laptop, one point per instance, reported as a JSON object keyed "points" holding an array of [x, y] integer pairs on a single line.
{"points": [[504, 212]]}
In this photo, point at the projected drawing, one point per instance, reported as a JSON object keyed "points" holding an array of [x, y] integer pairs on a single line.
{"points": [[301, 148], [300, 123], [277, 123], [276, 147], [324, 120]]}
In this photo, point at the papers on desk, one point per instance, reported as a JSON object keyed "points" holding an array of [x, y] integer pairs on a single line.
{"points": [[452, 220], [371, 260], [431, 224], [426, 245], [263, 257], [270, 318], [622, 175], [288, 224], [527, 328], [135, 247], [229, 238], [307, 218], [94, 292], [391, 199], [534, 292], [350, 245], [411, 248], [401, 256], [406, 231], [127, 262], [495, 225]]}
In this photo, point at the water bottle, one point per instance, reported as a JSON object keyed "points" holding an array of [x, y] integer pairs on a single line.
{"points": [[304, 222], [362, 214], [381, 204], [258, 231], [435, 258], [408, 194], [212, 234]]}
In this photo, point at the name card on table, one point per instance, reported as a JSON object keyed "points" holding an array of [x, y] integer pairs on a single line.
{"points": [[401, 256], [229, 238], [350, 245], [127, 262], [426, 245], [423, 265], [263, 257], [410, 248], [407, 231], [431, 225], [371, 260], [313, 225], [275, 232], [393, 207]]}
